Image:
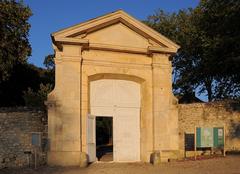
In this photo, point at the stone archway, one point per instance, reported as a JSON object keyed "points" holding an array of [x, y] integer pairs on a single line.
{"points": [[121, 100]]}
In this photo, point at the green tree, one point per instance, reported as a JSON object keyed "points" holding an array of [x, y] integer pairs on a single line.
{"points": [[37, 98], [219, 23], [180, 28], [49, 73], [20, 78], [49, 62], [14, 28], [20, 82], [208, 60]]}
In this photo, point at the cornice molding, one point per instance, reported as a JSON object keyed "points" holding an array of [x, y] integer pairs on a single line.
{"points": [[117, 48], [153, 49], [72, 41]]}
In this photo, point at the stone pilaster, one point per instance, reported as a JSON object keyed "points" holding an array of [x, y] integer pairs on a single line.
{"points": [[162, 103], [65, 130]]}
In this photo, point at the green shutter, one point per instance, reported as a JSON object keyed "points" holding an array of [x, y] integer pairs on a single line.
{"points": [[198, 137], [218, 137], [215, 137]]}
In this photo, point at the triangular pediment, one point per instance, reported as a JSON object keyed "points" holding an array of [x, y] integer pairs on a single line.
{"points": [[118, 34], [117, 28]]}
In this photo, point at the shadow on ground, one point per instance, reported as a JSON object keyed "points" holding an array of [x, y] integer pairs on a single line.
{"points": [[223, 165]]}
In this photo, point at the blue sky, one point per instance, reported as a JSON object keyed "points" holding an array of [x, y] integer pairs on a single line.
{"points": [[52, 15]]}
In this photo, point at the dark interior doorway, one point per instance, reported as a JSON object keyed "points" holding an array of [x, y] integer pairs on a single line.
{"points": [[104, 138]]}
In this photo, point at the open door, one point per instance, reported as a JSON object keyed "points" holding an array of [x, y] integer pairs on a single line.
{"points": [[91, 138], [104, 138]]}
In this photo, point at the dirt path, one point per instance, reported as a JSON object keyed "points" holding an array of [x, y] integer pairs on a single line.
{"points": [[227, 165]]}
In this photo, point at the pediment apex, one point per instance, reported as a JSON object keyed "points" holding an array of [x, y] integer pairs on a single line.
{"points": [[113, 18]]}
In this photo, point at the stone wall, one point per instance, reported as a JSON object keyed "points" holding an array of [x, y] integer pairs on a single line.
{"points": [[211, 115], [16, 128], [18, 124]]}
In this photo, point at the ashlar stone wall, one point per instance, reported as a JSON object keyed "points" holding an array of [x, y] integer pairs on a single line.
{"points": [[16, 128], [211, 115]]}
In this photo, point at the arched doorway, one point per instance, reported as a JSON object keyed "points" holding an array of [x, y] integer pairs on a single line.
{"points": [[119, 99]]}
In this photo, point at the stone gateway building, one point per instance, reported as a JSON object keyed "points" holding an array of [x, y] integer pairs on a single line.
{"points": [[112, 66]]}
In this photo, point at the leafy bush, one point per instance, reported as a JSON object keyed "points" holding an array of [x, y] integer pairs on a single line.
{"points": [[36, 99]]}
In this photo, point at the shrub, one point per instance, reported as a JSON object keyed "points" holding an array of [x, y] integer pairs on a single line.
{"points": [[36, 99]]}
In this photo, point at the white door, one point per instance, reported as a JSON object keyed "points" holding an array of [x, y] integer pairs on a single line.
{"points": [[127, 135], [121, 100], [91, 138]]}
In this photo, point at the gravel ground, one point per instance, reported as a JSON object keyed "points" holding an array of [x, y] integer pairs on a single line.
{"points": [[226, 165]]}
